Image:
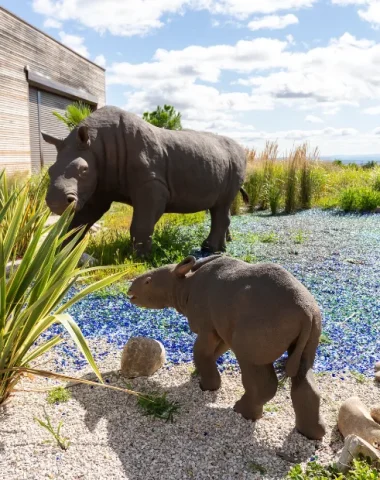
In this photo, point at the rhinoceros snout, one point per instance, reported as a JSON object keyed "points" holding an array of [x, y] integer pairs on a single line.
{"points": [[58, 202]]}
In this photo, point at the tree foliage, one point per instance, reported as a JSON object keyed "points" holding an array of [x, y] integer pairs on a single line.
{"points": [[165, 117], [74, 114]]}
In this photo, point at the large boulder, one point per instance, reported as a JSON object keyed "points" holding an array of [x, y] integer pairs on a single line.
{"points": [[142, 357], [355, 419]]}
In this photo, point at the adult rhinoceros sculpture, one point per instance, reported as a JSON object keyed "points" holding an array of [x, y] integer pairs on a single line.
{"points": [[115, 156]]}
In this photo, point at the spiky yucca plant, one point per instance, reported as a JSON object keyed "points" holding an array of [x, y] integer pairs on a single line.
{"points": [[32, 295]]}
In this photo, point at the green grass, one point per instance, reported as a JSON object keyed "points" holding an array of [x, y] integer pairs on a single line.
{"points": [[271, 408], [299, 237], [270, 237], [361, 469], [359, 377], [158, 406], [58, 395]]}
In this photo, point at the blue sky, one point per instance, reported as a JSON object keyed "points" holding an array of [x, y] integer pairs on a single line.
{"points": [[288, 70]]}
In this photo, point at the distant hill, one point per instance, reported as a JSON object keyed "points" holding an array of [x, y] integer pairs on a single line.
{"points": [[352, 158]]}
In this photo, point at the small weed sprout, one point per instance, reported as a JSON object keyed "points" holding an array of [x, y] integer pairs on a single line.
{"points": [[271, 408], [270, 237], [299, 237], [256, 468], [58, 395], [325, 340], [158, 406], [62, 442], [359, 377]]}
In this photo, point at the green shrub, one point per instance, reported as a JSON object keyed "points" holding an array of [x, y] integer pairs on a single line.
{"points": [[359, 199], [306, 185], [254, 187], [291, 186], [171, 242]]}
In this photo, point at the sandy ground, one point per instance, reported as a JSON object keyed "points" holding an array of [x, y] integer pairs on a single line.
{"points": [[110, 437]]}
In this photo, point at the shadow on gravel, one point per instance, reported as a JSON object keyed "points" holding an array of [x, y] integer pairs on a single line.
{"points": [[204, 441]]}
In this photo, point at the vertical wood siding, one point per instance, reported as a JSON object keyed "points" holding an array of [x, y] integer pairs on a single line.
{"points": [[21, 45]]}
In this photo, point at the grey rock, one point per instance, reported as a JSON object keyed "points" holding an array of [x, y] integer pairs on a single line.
{"points": [[87, 260], [375, 413], [353, 447], [142, 357], [377, 366]]}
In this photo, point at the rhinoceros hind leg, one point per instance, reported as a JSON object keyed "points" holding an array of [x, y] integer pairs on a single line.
{"points": [[220, 222], [306, 403], [260, 384]]}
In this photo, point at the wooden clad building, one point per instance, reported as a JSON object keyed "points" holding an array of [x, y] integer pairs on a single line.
{"points": [[38, 75]]}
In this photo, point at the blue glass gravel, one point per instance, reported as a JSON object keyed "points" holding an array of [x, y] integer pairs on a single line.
{"points": [[339, 262]]}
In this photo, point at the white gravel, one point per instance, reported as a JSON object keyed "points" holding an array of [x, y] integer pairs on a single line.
{"points": [[110, 438]]}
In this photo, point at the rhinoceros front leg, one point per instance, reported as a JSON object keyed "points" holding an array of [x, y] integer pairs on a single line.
{"points": [[149, 204], [220, 222], [207, 347]]}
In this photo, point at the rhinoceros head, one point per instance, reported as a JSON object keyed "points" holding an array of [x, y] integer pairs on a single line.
{"points": [[73, 177]]}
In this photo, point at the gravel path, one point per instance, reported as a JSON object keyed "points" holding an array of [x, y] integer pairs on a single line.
{"points": [[208, 440]]}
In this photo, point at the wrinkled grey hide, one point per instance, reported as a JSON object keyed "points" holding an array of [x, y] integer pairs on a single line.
{"points": [[116, 156], [259, 312]]}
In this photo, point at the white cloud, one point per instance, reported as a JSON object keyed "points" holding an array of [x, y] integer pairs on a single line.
{"points": [[313, 119], [52, 23], [139, 17], [370, 12], [74, 42], [372, 110], [100, 60], [245, 8], [203, 63], [345, 71], [272, 22], [320, 81]]}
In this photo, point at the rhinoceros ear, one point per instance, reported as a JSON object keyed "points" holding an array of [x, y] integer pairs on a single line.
{"points": [[83, 135], [58, 142], [185, 266]]}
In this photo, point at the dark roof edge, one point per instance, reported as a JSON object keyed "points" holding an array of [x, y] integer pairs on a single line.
{"points": [[51, 38], [37, 80]]}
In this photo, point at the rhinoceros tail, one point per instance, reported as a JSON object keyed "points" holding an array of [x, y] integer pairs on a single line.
{"points": [[294, 360], [244, 195]]}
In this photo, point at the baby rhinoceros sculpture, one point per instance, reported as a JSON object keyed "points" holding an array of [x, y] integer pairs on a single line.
{"points": [[259, 312]]}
